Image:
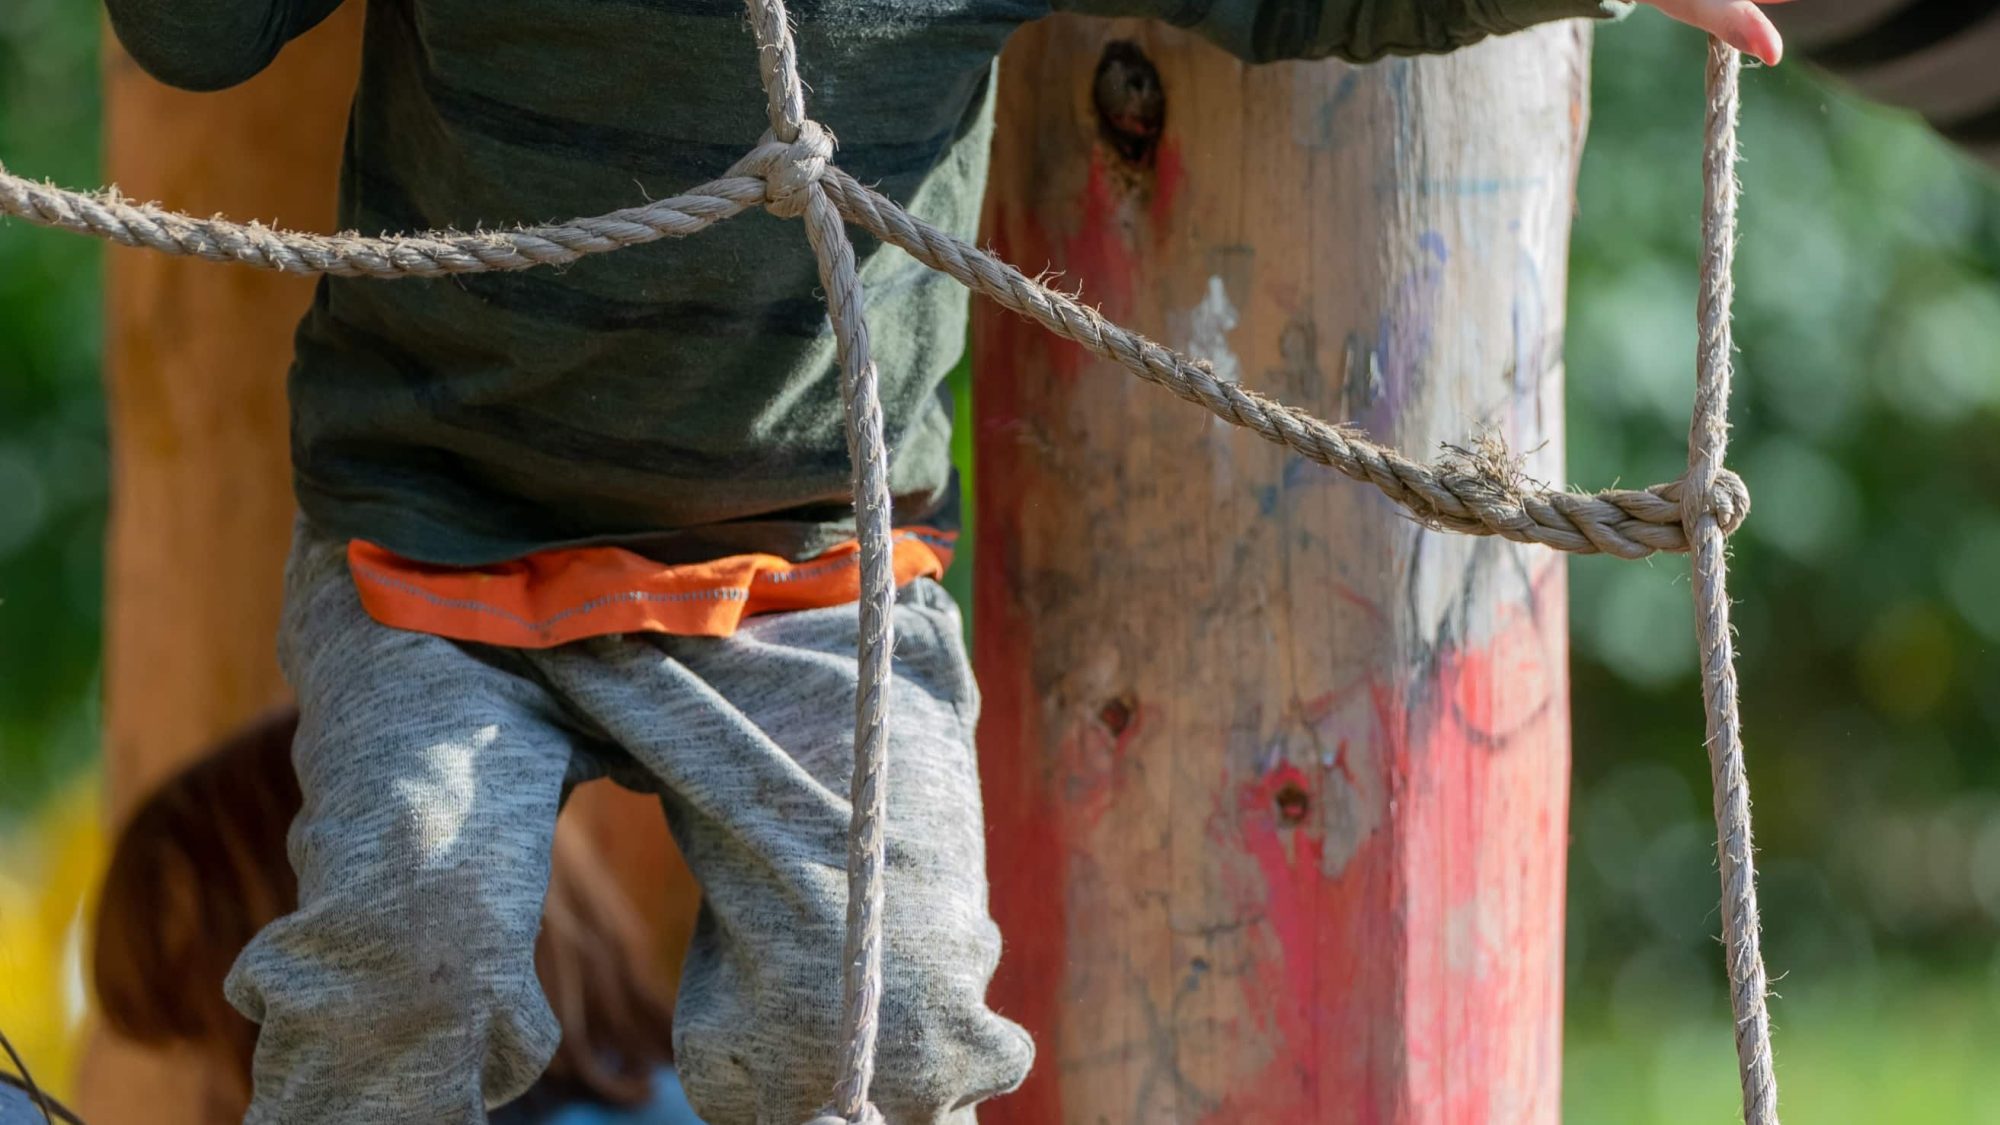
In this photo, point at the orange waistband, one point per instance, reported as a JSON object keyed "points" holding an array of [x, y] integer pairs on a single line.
{"points": [[554, 597]]}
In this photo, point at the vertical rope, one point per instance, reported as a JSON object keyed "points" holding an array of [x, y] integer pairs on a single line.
{"points": [[797, 192], [861, 979], [1708, 440], [778, 66]]}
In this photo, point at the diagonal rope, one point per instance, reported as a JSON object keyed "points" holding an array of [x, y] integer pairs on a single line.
{"points": [[26, 1081], [1477, 491], [1708, 439]]}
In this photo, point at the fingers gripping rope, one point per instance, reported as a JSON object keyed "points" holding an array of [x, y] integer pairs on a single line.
{"points": [[1477, 491]]}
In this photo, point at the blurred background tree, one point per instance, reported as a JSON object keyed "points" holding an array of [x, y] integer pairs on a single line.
{"points": [[1868, 424], [1868, 583], [52, 433], [52, 514]]}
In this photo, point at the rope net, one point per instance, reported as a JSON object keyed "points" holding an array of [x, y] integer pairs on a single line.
{"points": [[1476, 491]]}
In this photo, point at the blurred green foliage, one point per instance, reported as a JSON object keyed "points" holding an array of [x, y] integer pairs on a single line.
{"points": [[1868, 606], [52, 431], [1867, 581], [1868, 424]]}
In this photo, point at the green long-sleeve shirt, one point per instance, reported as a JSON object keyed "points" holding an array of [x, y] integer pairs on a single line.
{"points": [[678, 398]]}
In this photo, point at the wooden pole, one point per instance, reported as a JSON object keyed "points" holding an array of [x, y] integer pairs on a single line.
{"points": [[201, 488], [201, 513], [1277, 780], [195, 364]]}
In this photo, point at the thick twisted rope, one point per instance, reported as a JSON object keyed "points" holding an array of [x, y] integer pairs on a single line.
{"points": [[1708, 439], [110, 216], [1478, 491], [795, 189]]}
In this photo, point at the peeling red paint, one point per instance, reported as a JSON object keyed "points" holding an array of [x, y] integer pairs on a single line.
{"points": [[1026, 823], [1282, 986], [1355, 598], [1093, 765], [1327, 977], [1099, 251], [1341, 763], [1485, 992], [1168, 174], [1006, 341], [1388, 988], [1390, 954]]}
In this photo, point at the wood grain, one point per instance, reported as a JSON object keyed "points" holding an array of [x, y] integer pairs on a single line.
{"points": [[195, 365], [1277, 781]]}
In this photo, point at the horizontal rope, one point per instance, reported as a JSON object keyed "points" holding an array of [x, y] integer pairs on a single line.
{"points": [[109, 215], [1479, 491]]}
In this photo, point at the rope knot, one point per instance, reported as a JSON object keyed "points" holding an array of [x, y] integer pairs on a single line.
{"points": [[789, 180], [1728, 498]]}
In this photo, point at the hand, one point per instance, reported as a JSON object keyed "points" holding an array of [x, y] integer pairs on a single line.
{"points": [[1738, 23]]}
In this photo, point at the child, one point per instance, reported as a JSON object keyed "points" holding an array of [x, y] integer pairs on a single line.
{"points": [[200, 868], [546, 517]]}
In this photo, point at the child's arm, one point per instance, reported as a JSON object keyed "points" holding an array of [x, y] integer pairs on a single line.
{"points": [[211, 44], [1364, 30]]}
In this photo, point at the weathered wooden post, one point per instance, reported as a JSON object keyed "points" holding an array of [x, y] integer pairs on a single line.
{"points": [[1277, 779], [201, 480], [201, 484]]}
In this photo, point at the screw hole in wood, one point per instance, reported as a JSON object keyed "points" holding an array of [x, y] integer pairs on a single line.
{"points": [[1117, 713], [1131, 102], [1293, 803]]}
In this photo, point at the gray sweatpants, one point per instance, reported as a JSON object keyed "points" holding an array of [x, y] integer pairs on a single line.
{"points": [[403, 989]]}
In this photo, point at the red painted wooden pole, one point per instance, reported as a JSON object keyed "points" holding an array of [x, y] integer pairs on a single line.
{"points": [[1277, 780]]}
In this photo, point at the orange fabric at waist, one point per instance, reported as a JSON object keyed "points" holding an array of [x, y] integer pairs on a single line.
{"points": [[554, 597]]}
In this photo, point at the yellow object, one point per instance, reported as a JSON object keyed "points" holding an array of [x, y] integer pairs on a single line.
{"points": [[49, 867]]}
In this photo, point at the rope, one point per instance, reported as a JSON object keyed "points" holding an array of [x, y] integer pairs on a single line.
{"points": [[1476, 491], [25, 1082], [794, 181], [1708, 439], [1479, 491], [108, 215]]}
